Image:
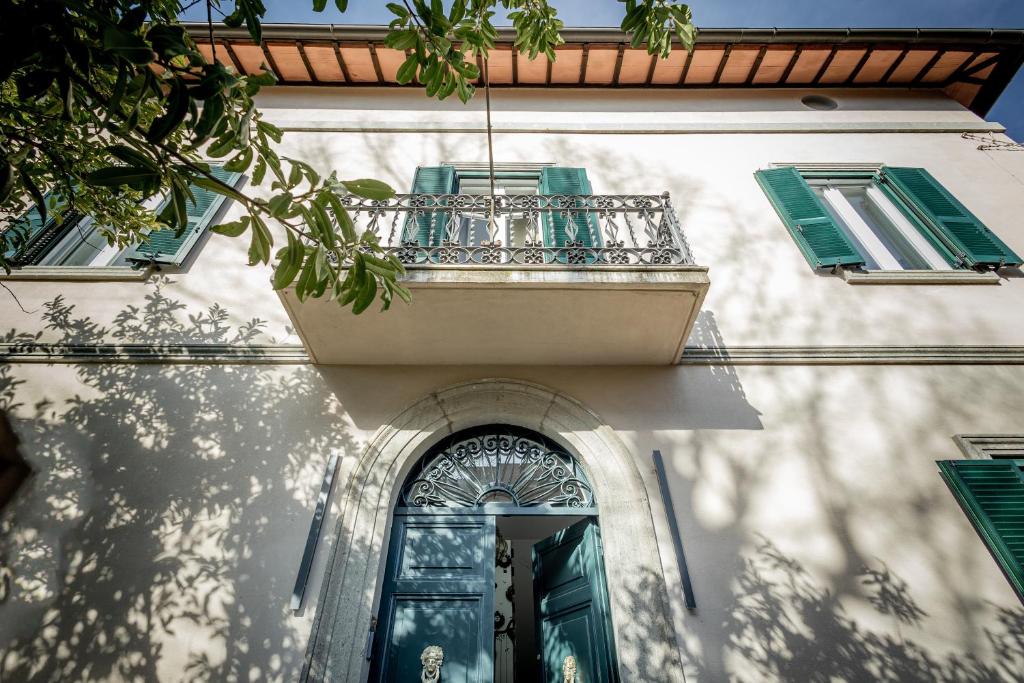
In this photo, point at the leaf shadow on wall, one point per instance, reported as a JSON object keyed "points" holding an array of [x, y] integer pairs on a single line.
{"points": [[160, 535]]}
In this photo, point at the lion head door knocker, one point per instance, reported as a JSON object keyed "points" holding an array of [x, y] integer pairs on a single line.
{"points": [[432, 658], [569, 670]]}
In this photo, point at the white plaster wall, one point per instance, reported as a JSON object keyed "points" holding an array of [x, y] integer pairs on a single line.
{"points": [[762, 293], [162, 531]]}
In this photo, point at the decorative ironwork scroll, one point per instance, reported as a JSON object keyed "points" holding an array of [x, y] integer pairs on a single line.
{"points": [[458, 229], [498, 466]]}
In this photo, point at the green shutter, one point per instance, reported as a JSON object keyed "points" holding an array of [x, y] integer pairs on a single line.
{"points": [[164, 246], [28, 226], [555, 180], [991, 492], [821, 240], [39, 236], [429, 228], [957, 227]]}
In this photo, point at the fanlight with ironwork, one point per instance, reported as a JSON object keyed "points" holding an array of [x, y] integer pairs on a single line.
{"points": [[498, 464]]}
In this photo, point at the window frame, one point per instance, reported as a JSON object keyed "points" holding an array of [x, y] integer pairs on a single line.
{"points": [[957, 273], [906, 209], [505, 170], [113, 262]]}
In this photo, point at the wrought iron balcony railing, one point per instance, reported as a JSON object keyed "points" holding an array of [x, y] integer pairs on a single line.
{"points": [[527, 230]]}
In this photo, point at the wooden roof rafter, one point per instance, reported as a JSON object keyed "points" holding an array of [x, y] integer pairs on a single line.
{"points": [[974, 66]]}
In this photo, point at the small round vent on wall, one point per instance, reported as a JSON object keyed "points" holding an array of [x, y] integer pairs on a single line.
{"points": [[819, 102]]}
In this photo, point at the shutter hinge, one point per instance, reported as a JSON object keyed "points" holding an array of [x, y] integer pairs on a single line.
{"points": [[368, 647]]}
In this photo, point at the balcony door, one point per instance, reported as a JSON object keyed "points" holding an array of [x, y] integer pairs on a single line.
{"points": [[494, 567]]}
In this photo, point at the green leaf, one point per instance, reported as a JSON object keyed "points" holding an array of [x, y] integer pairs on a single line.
{"points": [[342, 5], [261, 241], [177, 107], [175, 212], [33, 190], [127, 45], [369, 188], [6, 180], [213, 110], [398, 10], [262, 78], [291, 262], [260, 171], [366, 294], [320, 261], [222, 146], [220, 188], [232, 229], [280, 204], [270, 130], [295, 177], [407, 71], [131, 156], [318, 6], [116, 176], [348, 230], [240, 163], [402, 40], [323, 224], [168, 40]]}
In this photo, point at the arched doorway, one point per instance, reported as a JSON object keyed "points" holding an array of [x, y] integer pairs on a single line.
{"points": [[495, 565], [646, 643]]}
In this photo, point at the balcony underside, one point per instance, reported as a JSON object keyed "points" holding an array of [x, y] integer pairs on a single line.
{"points": [[478, 315]]}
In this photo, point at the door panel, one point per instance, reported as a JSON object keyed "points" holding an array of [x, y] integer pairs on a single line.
{"points": [[438, 590], [442, 549], [572, 604], [454, 624]]}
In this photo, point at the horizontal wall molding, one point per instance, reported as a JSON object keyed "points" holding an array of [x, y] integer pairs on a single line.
{"points": [[274, 354], [79, 273], [854, 355], [292, 354], [991, 446], [697, 128]]}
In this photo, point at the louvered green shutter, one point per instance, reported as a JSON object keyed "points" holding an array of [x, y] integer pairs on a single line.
{"points": [[556, 180], [29, 226], [163, 246], [957, 227], [991, 492], [822, 242], [429, 228], [39, 236]]}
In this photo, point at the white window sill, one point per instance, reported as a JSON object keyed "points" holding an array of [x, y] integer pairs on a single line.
{"points": [[78, 273], [920, 277]]}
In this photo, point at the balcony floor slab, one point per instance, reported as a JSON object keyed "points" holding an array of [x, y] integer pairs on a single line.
{"points": [[467, 315]]}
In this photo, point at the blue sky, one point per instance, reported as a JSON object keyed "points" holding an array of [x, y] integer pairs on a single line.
{"points": [[744, 13]]}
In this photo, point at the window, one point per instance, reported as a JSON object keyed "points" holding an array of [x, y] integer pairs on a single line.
{"points": [[881, 219], [508, 179], [77, 241], [991, 494], [471, 229]]}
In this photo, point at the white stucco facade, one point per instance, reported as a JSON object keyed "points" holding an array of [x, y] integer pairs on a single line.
{"points": [[161, 532]]}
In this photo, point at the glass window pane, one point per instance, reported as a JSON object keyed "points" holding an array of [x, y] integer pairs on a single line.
{"points": [[80, 247], [869, 262], [882, 243], [887, 233]]}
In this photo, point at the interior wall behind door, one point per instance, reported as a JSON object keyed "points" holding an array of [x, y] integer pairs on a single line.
{"points": [[526, 644]]}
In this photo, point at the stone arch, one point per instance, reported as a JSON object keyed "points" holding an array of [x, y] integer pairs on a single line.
{"points": [[644, 635]]}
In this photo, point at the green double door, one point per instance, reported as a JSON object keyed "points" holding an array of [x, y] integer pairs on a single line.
{"points": [[439, 590]]}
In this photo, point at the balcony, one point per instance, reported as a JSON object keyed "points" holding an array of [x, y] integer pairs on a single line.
{"points": [[533, 280]]}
